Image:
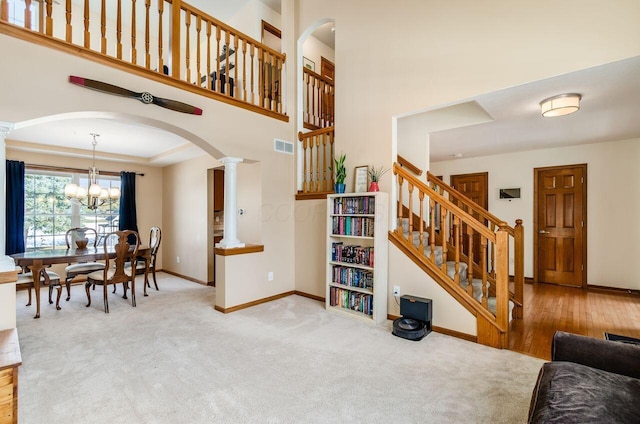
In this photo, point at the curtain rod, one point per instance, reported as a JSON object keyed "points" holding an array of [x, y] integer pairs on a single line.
{"points": [[66, 169]]}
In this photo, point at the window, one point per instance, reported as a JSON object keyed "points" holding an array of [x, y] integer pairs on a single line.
{"points": [[49, 214]]}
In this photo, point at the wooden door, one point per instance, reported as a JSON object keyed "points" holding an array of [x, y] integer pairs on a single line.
{"points": [[327, 68], [475, 187], [560, 225]]}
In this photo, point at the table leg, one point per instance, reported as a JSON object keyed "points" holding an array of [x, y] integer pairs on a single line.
{"points": [[36, 268]]}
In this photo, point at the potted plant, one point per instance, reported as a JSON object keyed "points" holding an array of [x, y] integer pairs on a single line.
{"points": [[375, 174], [340, 173]]}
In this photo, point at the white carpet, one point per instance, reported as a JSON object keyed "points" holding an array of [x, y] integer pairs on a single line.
{"points": [[174, 359]]}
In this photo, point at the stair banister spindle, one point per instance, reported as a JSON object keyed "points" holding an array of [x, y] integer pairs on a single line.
{"points": [[87, 34], [483, 260], [68, 27], [187, 50], [458, 238], [470, 258], [147, 44], [134, 47], [253, 90], [443, 236], [236, 93], [432, 229], [227, 70], [198, 54], [410, 217], [103, 27], [160, 39], [421, 237], [119, 29], [217, 75], [49, 18], [27, 14], [325, 169], [244, 70], [208, 83], [4, 10], [399, 207]]}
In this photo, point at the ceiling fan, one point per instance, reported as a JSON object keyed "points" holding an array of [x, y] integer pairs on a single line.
{"points": [[144, 97]]}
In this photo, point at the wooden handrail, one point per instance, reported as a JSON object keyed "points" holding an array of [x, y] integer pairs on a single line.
{"points": [[452, 221], [411, 167], [251, 79], [318, 100], [453, 193], [317, 151]]}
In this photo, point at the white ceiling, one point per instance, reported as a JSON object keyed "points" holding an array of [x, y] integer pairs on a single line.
{"points": [[609, 111]]}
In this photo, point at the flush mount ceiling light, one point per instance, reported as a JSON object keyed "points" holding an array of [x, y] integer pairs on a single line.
{"points": [[563, 104]]}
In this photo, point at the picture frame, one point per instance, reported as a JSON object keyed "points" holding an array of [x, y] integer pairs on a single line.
{"points": [[361, 179], [309, 64]]}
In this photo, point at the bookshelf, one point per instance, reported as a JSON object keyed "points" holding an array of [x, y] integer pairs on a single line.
{"points": [[356, 275]]}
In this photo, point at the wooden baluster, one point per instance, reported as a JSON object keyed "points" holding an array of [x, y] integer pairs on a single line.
{"points": [[399, 212], [492, 271], [274, 70], [4, 10], [134, 51], [119, 30], [198, 30], [227, 72], [410, 213], [208, 81], [485, 295], [318, 161], [236, 92], [160, 39], [443, 236], [187, 35], [458, 238], [305, 172], [253, 92], [49, 18], [244, 70], [27, 14], [432, 229], [314, 110], [218, 79], [331, 156], [87, 34], [261, 75], [147, 51], [421, 231], [470, 257], [312, 144], [324, 167], [279, 87], [174, 45], [307, 109], [68, 28], [103, 27]]}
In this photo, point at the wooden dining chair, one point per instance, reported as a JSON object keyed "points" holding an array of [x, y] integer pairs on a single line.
{"points": [[155, 236], [114, 271], [81, 268], [25, 281]]}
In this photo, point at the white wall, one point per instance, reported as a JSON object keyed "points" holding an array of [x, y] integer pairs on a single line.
{"points": [[613, 201]]}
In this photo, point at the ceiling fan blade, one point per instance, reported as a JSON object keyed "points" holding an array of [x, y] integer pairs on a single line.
{"points": [[177, 106], [103, 87]]}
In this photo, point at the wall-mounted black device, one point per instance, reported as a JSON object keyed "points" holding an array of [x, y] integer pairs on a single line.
{"points": [[510, 193]]}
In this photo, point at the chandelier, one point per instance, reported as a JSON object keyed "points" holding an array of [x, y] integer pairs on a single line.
{"points": [[94, 196]]}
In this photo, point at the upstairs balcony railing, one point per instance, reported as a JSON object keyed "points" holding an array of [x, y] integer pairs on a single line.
{"points": [[318, 93], [166, 40]]}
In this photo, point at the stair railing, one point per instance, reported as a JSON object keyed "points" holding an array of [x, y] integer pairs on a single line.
{"points": [[492, 222], [318, 101], [166, 40], [439, 230], [315, 151]]}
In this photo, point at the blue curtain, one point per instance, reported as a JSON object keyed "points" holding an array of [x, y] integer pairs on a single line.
{"points": [[14, 240], [128, 218]]}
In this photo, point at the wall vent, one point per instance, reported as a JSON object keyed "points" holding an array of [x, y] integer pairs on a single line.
{"points": [[283, 146]]}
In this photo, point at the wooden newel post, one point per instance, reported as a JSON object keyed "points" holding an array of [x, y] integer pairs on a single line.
{"points": [[518, 268], [502, 282]]}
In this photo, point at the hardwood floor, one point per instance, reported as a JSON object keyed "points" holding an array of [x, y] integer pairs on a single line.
{"points": [[591, 312]]}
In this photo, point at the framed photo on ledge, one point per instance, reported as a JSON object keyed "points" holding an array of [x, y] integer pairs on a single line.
{"points": [[361, 179], [309, 64]]}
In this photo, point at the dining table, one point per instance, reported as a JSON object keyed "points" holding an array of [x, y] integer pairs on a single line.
{"points": [[37, 259]]}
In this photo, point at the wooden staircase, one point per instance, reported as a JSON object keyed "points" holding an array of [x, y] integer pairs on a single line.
{"points": [[464, 248]]}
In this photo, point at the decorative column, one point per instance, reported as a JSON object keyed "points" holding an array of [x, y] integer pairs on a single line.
{"points": [[230, 239]]}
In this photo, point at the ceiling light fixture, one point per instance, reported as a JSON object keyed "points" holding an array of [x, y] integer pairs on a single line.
{"points": [[94, 196], [563, 104]]}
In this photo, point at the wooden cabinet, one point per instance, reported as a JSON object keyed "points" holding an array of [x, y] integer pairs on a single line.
{"points": [[10, 360], [356, 274], [218, 190]]}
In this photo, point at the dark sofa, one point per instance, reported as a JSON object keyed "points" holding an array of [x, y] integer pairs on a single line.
{"points": [[588, 381]]}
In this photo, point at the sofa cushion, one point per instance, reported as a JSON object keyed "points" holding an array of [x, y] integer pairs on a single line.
{"points": [[572, 393]]}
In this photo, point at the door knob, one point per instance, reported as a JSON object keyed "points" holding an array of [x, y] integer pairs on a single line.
{"points": [[544, 232]]}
